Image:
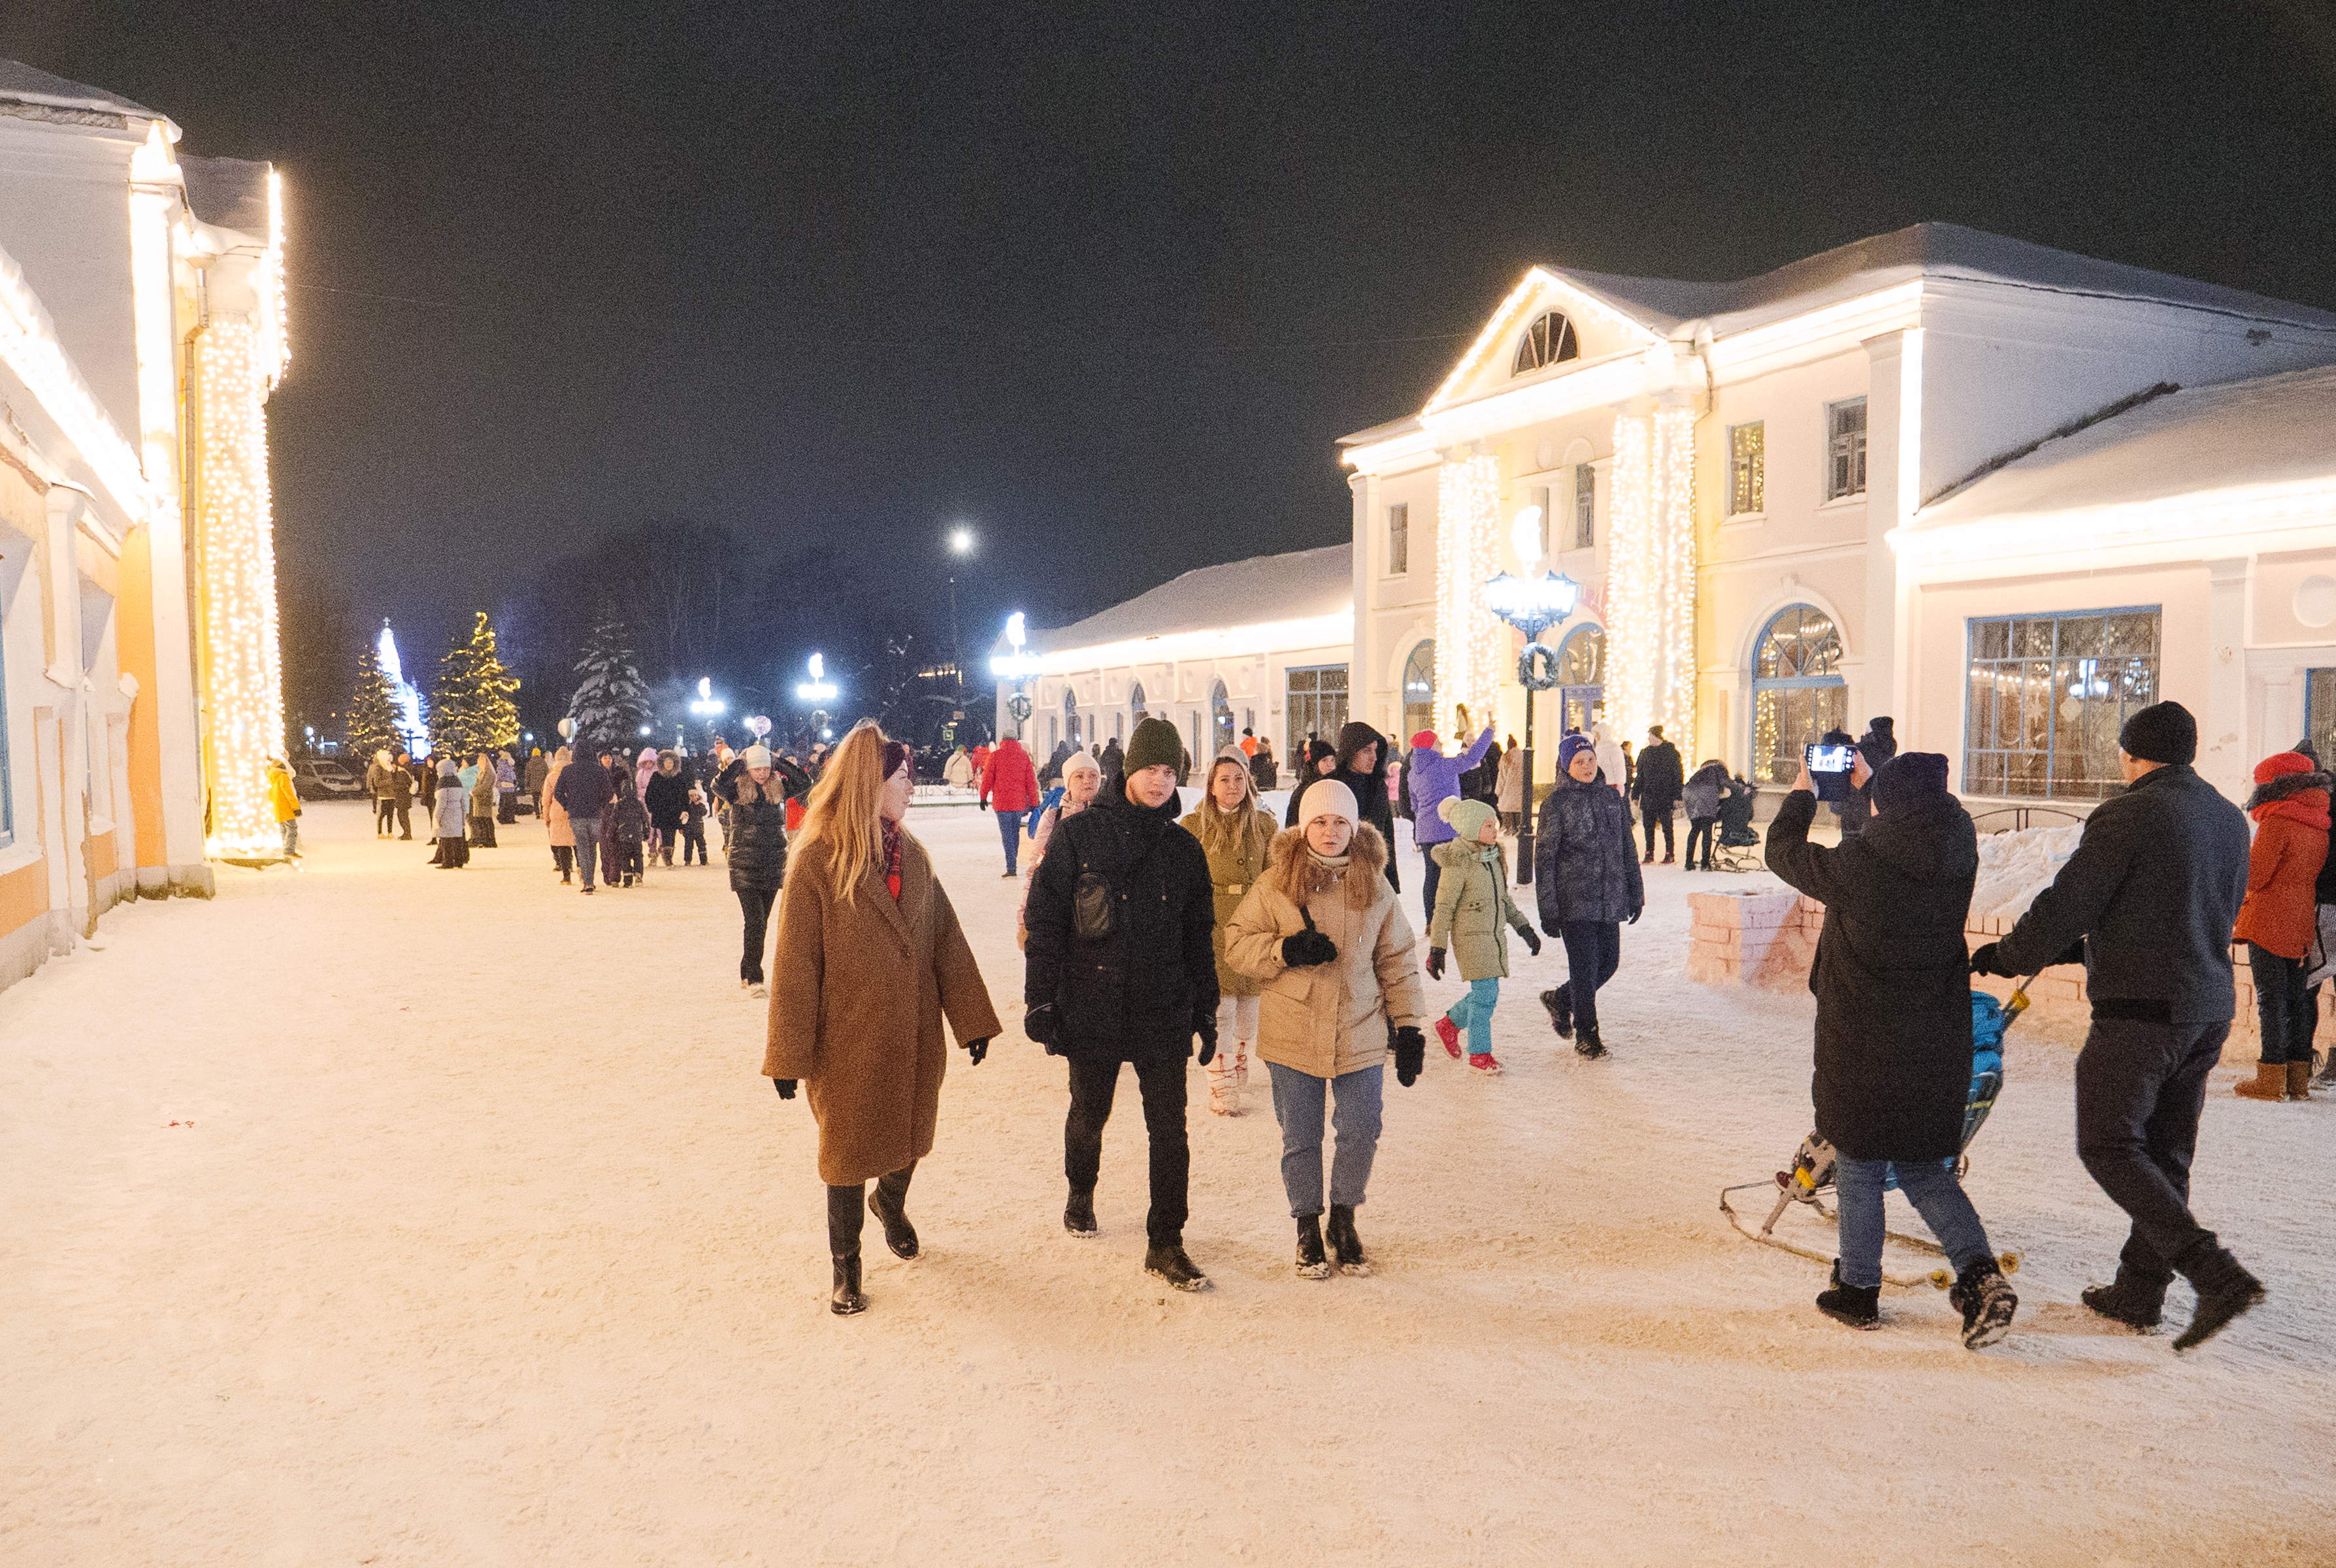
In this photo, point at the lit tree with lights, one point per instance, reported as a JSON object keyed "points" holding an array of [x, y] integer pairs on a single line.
{"points": [[471, 707], [611, 704], [373, 711]]}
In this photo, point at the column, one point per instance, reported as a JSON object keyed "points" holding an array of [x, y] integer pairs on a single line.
{"points": [[2223, 758]]}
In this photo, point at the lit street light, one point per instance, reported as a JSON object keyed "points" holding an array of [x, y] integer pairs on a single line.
{"points": [[818, 691], [961, 543], [1019, 668], [1533, 604]]}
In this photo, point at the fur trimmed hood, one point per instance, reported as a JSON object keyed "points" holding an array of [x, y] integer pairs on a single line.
{"points": [[2287, 785], [1366, 858]]}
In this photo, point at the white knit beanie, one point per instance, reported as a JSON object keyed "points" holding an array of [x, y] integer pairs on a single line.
{"points": [[1080, 762], [1328, 798], [758, 755]]}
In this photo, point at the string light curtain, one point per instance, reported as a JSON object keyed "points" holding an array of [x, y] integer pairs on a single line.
{"points": [[1650, 569], [1469, 640], [236, 543]]}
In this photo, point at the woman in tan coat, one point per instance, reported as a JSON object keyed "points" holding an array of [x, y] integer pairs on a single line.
{"points": [[870, 961], [555, 816], [1325, 934], [1236, 835]]}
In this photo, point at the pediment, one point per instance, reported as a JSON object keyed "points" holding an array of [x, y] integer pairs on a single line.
{"points": [[1601, 327]]}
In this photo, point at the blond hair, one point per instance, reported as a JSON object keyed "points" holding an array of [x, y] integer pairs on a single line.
{"points": [[843, 812], [1222, 828]]}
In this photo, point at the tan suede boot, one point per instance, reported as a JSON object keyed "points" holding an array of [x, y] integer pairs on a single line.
{"points": [[2298, 1080], [2270, 1083]]}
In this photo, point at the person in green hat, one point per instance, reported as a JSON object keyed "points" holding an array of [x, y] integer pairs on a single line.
{"points": [[1473, 915]]}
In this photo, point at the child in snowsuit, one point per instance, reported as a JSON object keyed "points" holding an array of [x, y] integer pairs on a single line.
{"points": [[693, 827], [1325, 934], [1474, 913], [628, 827]]}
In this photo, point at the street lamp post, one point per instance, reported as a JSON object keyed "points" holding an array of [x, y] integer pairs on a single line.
{"points": [[818, 691], [961, 543], [1019, 668], [1531, 603]]}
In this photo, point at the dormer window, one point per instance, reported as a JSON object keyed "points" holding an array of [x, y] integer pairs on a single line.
{"points": [[1546, 342]]}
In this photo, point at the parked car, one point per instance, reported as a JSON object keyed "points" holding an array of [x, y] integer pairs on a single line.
{"points": [[322, 779]]}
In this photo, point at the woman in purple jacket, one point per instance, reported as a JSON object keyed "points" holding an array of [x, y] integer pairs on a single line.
{"points": [[1435, 778]]}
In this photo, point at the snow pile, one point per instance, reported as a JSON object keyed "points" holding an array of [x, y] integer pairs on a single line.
{"points": [[2014, 867]]}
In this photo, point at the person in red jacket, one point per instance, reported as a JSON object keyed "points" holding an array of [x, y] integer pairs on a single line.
{"points": [[1010, 785], [981, 773], [2280, 918]]}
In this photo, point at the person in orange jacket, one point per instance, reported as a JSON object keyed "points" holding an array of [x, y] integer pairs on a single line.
{"points": [[285, 801], [2280, 918], [1010, 785]]}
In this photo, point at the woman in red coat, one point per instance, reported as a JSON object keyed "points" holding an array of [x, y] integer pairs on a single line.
{"points": [[2281, 916]]}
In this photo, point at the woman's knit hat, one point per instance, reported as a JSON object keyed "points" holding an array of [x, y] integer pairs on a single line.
{"points": [[1909, 781], [1327, 797], [1424, 740], [758, 755], [1080, 762], [1467, 817]]}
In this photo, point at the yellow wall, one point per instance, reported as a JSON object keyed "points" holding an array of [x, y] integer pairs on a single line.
{"points": [[135, 639]]}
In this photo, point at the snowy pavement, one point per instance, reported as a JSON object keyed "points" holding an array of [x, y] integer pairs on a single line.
{"points": [[371, 1214]]}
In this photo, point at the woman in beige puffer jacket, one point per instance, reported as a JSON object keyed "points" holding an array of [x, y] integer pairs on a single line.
{"points": [[1322, 931]]}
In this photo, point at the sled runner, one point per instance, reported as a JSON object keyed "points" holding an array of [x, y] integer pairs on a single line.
{"points": [[1810, 1179]]}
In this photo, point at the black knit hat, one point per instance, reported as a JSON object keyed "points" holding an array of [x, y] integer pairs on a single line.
{"points": [[1910, 781], [2162, 732]]}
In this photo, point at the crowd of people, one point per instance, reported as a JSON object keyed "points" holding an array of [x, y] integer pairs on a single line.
{"points": [[1151, 934]]}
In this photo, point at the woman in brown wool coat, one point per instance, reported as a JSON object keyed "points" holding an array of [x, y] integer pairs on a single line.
{"points": [[869, 960]]}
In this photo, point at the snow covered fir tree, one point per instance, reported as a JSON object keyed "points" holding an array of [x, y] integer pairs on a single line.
{"points": [[471, 706], [373, 711], [611, 705]]}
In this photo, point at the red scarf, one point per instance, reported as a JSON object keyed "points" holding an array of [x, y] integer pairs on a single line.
{"points": [[2308, 807], [893, 855]]}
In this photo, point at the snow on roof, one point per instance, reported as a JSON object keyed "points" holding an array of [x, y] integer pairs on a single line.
{"points": [[23, 84], [231, 192], [1300, 585], [2269, 431]]}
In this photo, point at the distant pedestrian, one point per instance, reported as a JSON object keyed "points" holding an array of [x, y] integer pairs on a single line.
{"points": [[556, 826], [1701, 798], [1082, 781], [693, 825], [379, 774], [1432, 779], [1586, 881], [1473, 916], [958, 772], [1509, 786], [757, 788], [401, 790], [2280, 916], [621, 864], [1112, 760], [1263, 768], [665, 800], [1319, 761], [1660, 777], [584, 790], [537, 779], [485, 787], [284, 801], [506, 790], [450, 815], [1011, 788]]}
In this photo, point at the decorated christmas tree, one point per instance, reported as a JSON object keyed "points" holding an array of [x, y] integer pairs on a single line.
{"points": [[610, 706], [373, 713], [471, 705]]}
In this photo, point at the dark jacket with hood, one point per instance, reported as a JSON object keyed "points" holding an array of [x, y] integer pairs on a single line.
{"points": [[1308, 771], [1263, 770], [584, 790], [1370, 788], [1702, 794], [758, 828], [666, 795], [1585, 866], [1660, 777], [1143, 988], [2154, 888], [1893, 974]]}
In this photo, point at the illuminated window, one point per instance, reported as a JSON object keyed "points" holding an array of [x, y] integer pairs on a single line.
{"points": [[1844, 449], [1220, 719], [1546, 342], [1315, 705], [1580, 677], [1399, 539], [1136, 713], [1585, 506], [1418, 691], [1070, 716], [1747, 466], [1797, 691], [2046, 696], [1538, 499]]}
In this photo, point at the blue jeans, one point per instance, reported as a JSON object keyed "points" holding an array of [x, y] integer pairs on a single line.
{"points": [[1354, 1115], [588, 845], [1474, 1014], [1009, 828], [1931, 1186]]}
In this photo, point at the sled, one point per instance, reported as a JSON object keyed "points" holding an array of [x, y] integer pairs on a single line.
{"points": [[1809, 1180]]}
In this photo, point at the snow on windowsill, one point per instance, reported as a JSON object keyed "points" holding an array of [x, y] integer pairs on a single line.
{"points": [[16, 857]]}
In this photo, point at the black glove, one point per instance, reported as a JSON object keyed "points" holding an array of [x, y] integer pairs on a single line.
{"points": [[1410, 1055], [1044, 1026], [1533, 939], [1205, 1025], [786, 1088], [1435, 963], [1636, 914], [1984, 959], [977, 1050], [1307, 948], [2075, 954]]}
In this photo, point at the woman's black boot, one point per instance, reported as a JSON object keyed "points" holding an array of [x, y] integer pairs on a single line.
{"points": [[1345, 1245], [1313, 1263], [847, 1300], [888, 1202]]}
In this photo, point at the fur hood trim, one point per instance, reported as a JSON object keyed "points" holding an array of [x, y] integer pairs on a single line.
{"points": [[1367, 859]]}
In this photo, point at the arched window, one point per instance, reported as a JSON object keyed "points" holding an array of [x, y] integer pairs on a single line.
{"points": [[1581, 678], [1221, 717], [1418, 691], [1070, 716], [1548, 340], [1136, 713], [1797, 691]]}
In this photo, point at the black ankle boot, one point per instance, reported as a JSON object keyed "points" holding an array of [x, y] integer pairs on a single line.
{"points": [[1859, 1306], [1588, 1045], [1312, 1263], [1559, 1004], [899, 1234], [1984, 1297], [847, 1300], [1169, 1263], [1078, 1214], [2225, 1290], [2137, 1302], [1345, 1245]]}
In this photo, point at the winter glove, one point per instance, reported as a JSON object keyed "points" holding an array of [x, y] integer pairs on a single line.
{"points": [[1986, 961], [1205, 1025], [1307, 948], [1044, 1026], [1532, 938], [786, 1088], [977, 1050], [1410, 1055], [2074, 955], [1636, 914], [1435, 963]]}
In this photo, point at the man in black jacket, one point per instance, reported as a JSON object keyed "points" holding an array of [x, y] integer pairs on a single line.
{"points": [[585, 792], [1660, 778], [1119, 968], [1363, 768], [2153, 891]]}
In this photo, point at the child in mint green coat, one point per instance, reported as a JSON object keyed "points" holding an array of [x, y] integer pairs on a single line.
{"points": [[1473, 916]]}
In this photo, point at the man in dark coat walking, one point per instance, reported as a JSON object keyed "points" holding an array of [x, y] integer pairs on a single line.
{"points": [[1659, 779], [1893, 1035], [585, 791], [1119, 968], [2153, 891], [1363, 768]]}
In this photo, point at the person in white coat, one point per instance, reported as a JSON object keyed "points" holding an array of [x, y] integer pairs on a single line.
{"points": [[1610, 761]]}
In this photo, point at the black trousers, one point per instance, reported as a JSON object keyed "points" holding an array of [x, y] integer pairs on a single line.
{"points": [[384, 809], [405, 819], [1431, 875], [755, 904], [2140, 1086], [1593, 951], [1702, 828], [2288, 1009], [1161, 1080], [1657, 816], [564, 857], [693, 837], [847, 1208]]}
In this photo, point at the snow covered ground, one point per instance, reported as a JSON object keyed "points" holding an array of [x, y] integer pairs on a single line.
{"points": [[373, 1215]]}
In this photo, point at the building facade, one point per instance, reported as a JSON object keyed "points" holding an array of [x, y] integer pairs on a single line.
{"points": [[1804, 499], [142, 328]]}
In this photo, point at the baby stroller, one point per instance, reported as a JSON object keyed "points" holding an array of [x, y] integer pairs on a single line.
{"points": [[1810, 1179], [1738, 843]]}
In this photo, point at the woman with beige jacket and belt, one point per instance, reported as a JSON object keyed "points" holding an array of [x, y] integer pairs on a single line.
{"points": [[1237, 837], [1323, 933]]}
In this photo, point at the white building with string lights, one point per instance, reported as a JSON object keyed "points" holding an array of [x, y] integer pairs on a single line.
{"points": [[141, 329], [1938, 474]]}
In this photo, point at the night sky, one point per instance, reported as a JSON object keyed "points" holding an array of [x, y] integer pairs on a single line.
{"points": [[1105, 282]]}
